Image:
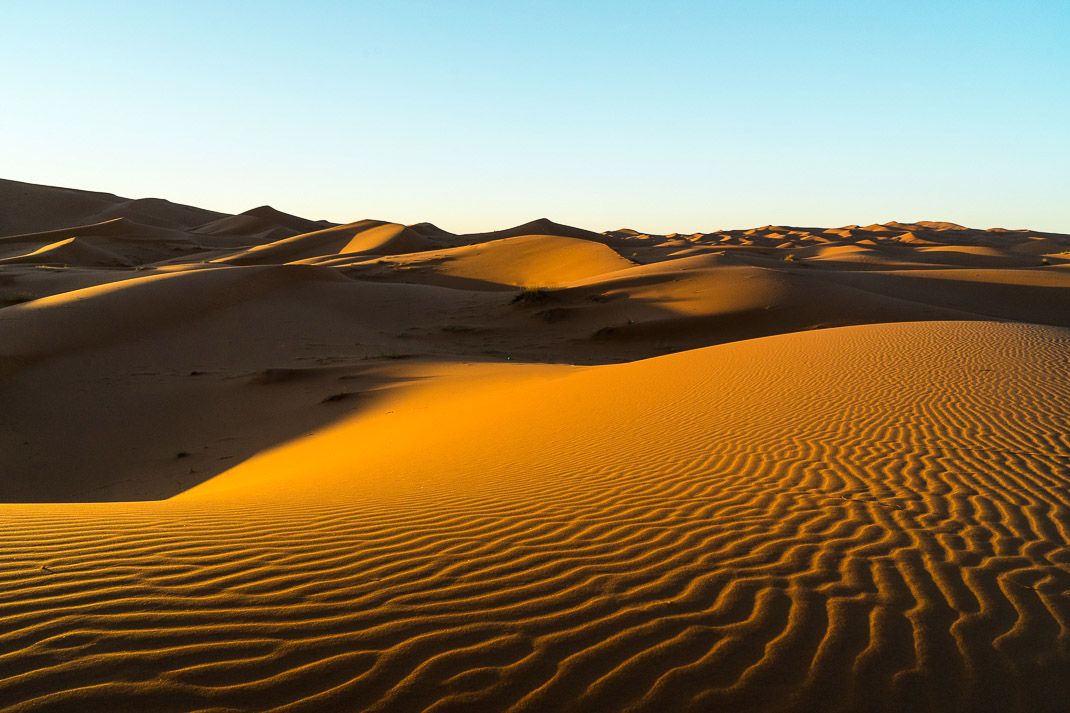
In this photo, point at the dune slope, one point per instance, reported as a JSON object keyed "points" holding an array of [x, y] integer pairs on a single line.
{"points": [[258, 462], [865, 518], [28, 207], [531, 261]]}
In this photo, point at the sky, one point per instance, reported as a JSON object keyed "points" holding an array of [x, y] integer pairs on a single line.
{"points": [[659, 116]]}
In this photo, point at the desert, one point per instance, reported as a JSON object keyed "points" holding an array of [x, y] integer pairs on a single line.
{"points": [[266, 462]]}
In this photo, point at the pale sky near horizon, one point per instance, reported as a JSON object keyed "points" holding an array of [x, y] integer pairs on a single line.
{"points": [[660, 116]]}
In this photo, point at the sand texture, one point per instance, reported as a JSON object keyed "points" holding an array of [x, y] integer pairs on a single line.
{"points": [[259, 462]]}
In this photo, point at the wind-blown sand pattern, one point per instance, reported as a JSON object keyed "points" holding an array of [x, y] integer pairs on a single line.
{"points": [[398, 482]]}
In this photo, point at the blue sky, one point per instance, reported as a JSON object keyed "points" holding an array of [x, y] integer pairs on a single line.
{"points": [[661, 116]]}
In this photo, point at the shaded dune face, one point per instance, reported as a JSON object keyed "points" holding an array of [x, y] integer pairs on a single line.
{"points": [[259, 462], [883, 530]]}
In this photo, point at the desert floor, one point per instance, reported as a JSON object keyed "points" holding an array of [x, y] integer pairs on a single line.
{"points": [[258, 462]]}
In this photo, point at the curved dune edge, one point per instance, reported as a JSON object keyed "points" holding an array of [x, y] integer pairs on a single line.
{"points": [[531, 261], [73, 250], [866, 518]]}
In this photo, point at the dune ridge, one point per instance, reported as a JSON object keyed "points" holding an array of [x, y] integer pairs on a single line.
{"points": [[258, 462], [735, 536]]}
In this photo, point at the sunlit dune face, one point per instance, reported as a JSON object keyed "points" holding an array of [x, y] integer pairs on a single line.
{"points": [[711, 506], [257, 462]]}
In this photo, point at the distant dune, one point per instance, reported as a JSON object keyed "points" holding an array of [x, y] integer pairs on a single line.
{"points": [[263, 223], [29, 208], [258, 462]]}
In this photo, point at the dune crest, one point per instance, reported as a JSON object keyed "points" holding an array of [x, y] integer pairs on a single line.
{"points": [[734, 535], [258, 462]]}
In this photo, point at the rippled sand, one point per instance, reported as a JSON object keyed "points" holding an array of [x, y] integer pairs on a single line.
{"points": [[396, 482]]}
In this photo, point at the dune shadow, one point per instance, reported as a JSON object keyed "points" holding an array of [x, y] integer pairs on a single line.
{"points": [[197, 426]]}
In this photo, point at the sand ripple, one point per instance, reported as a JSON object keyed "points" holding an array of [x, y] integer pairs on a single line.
{"points": [[867, 518]]}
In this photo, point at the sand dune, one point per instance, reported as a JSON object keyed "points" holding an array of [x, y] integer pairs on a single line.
{"points": [[258, 462], [361, 237], [735, 534], [540, 226], [524, 261], [26, 208], [263, 224], [72, 250]]}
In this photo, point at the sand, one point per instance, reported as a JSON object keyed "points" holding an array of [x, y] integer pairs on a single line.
{"points": [[389, 468]]}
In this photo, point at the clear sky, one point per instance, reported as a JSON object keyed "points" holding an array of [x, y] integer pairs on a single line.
{"points": [[661, 116]]}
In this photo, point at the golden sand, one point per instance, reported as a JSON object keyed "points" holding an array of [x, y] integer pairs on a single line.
{"points": [[675, 473]]}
